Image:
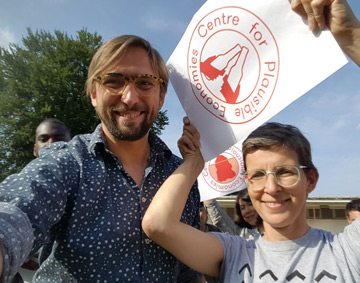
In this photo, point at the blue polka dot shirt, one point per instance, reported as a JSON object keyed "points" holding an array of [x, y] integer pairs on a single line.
{"points": [[78, 197]]}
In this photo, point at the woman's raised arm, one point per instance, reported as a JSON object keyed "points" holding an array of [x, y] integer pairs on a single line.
{"points": [[198, 250]]}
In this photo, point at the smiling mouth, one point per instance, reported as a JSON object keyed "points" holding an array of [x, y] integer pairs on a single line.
{"points": [[128, 115], [274, 204]]}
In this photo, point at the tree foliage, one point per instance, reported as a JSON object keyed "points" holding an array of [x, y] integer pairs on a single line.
{"points": [[42, 79]]}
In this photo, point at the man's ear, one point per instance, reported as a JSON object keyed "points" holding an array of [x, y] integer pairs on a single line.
{"points": [[348, 219], [93, 98], [35, 151], [162, 99], [312, 177]]}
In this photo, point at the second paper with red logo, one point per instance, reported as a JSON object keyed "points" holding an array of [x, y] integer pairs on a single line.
{"points": [[237, 65]]}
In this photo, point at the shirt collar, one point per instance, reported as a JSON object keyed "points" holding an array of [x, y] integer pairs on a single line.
{"points": [[157, 145]]}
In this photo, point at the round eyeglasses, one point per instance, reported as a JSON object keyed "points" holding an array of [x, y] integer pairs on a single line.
{"points": [[115, 83], [286, 176]]}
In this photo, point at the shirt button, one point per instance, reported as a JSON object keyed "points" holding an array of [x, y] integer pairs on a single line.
{"points": [[143, 199], [147, 241]]}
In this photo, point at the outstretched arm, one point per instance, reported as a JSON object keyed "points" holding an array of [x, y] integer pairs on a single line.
{"points": [[337, 16], [200, 251], [16, 240]]}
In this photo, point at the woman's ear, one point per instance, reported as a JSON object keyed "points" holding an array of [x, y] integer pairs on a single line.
{"points": [[312, 177]]}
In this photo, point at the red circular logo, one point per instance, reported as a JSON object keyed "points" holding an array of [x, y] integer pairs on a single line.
{"points": [[223, 174], [233, 64]]}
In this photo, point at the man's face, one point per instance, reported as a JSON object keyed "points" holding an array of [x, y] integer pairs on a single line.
{"points": [[353, 214], [49, 133], [128, 116], [279, 207]]}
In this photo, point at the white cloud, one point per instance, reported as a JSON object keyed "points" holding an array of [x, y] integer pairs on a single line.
{"points": [[340, 124], [6, 37]]}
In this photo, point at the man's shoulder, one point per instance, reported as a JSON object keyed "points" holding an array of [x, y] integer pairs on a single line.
{"points": [[159, 147], [351, 231], [176, 159], [76, 143]]}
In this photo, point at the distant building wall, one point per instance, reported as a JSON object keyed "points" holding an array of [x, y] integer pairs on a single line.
{"points": [[334, 225]]}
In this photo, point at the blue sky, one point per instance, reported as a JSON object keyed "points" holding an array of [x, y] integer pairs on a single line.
{"points": [[329, 114]]}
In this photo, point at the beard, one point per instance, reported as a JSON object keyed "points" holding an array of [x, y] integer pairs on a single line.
{"points": [[127, 131]]}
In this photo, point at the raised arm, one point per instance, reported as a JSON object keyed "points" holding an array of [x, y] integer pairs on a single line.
{"points": [[337, 16], [198, 250]]}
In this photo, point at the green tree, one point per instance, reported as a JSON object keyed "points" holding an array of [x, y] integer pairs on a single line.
{"points": [[42, 79]]}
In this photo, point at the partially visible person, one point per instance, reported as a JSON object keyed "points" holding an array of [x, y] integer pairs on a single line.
{"points": [[204, 225], [280, 174], [92, 192], [248, 223], [49, 131], [352, 210], [338, 17]]}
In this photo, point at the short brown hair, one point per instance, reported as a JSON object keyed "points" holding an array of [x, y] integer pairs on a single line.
{"points": [[271, 135], [114, 49]]}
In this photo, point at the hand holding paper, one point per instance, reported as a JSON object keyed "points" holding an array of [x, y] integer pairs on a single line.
{"points": [[189, 144], [237, 66], [338, 17], [265, 65]]}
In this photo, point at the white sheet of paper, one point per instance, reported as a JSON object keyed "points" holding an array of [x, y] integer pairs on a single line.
{"points": [[240, 62]]}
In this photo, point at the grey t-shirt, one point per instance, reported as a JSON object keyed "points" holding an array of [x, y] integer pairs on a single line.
{"points": [[318, 256]]}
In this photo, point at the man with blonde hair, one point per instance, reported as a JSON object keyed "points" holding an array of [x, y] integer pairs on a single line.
{"points": [[92, 192]]}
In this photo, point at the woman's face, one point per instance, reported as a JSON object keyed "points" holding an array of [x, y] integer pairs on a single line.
{"points": [[248, 212]]}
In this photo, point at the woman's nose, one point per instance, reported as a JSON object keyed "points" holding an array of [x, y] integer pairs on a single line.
{"points": [[271, 186]]}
